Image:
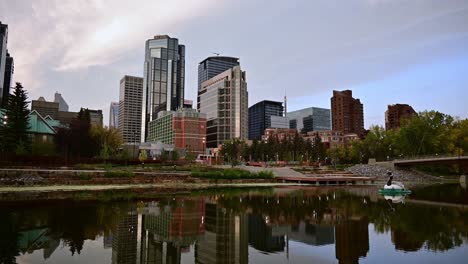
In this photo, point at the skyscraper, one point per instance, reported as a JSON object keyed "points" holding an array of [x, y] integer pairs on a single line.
{"points": [[3, 55], [395, 113], [310, 119], [130, 105], [163, 80], [260, 117], [347, 113], [63, 106], [9, 69], [212, 66], [114, 115], [224, 100]]}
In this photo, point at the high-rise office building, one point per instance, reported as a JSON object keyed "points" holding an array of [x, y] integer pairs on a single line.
{"points": [[260, 117], [96, 117], [212, 66], [347, 113], [114, 115], [130, 105], [163, 80], [310, 119], [397, 112], [63, 106], [3, 55], [9, 69], [224, 100]]}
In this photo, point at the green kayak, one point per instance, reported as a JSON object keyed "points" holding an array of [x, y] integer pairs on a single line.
{"points": [[394, 191]]}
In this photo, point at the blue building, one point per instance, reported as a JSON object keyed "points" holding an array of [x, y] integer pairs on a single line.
{"points": [[260, 117]]}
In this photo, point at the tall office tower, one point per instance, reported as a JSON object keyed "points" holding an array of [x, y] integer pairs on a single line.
{"points": [[347, 113], [130, 105], [260, 115], [125, 238], [224, 100], [397, 112], [164, 78], [9, 69], [114, 115], [63, 106], [212, 66], [226, 237], [96, 117], [3, 52], [310, 119]]}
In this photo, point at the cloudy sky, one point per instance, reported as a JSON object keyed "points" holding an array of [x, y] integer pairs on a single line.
{"points": [[386, 51]]}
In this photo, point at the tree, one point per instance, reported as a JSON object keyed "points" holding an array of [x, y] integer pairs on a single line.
{"points": [[107, 140], [231, 151], [174, 155], [15, 130], [79, 137]]}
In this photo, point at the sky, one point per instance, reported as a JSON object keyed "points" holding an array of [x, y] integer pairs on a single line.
{"points": [[385, 51]]}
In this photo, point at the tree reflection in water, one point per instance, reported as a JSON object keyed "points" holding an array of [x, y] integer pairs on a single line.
{"points": [[222, 225]]}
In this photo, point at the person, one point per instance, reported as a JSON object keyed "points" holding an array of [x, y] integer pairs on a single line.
{"points": [[390, 174]]}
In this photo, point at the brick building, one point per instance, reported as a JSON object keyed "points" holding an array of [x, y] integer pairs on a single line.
{"points": [[395, 113], [184, 128], [347, 113], [281, 133]]}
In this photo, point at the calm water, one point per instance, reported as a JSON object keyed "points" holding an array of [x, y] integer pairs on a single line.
{"points": [[282, 225]]}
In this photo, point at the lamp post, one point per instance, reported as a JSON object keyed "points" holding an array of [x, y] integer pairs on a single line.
{"points": [[134, 143], [204, 146]]}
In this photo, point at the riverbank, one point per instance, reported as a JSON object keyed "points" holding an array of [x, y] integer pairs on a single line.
{"points": [[380, 173], [125, 191]]}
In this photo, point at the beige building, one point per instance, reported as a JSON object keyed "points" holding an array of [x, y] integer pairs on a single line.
{"points": [[224, 100]]}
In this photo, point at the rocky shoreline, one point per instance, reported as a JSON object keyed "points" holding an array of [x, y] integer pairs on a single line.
{"points": [[373, 170]]}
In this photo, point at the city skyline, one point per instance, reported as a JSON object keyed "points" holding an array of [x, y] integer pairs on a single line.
{"points": [[412, 53]]}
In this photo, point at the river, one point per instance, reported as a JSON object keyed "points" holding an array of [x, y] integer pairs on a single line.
{"points": [[239, 225]]}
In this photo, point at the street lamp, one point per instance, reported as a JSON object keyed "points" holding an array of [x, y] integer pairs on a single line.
{"points": [[204, 146], [134, 143]]}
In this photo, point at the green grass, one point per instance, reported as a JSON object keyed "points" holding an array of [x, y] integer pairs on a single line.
{"points": [[232, 174], [119, 174], [84, 176]]}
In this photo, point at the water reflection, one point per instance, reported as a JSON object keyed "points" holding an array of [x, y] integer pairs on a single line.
{"points": [[225, 228]]}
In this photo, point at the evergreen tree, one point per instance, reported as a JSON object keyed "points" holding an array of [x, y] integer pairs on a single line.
{"points": [[15, 130]]}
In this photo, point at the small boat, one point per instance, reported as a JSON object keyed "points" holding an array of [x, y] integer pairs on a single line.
{"points": [[393, 188]]}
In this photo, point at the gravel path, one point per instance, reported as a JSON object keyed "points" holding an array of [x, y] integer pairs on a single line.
{"points": [[398, 175]]}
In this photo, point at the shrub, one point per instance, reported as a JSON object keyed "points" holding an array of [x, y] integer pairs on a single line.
{"points": [[84, 176], [231, 174], [118, 174]]}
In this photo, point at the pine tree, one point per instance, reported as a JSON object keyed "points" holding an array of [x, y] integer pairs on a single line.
{"points": [[17, 121]]}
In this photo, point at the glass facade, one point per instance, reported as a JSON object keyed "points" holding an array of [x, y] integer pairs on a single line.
{"points": [[3, 58], [260, 117], [212, 66], [164, 78], [310, 119]]}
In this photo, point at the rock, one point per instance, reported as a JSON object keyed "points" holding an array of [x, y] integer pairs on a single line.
{"points": [[372, 170]]}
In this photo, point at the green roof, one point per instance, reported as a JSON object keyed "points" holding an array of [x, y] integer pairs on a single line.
{"points": [[37, 124]]}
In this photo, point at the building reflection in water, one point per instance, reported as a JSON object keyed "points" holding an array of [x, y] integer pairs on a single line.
{"points": [[226, 237], [352, 240], [161, 231]]}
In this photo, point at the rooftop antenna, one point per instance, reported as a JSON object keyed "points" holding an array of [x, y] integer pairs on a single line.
{"points": [[285, 105], [217, 54]]}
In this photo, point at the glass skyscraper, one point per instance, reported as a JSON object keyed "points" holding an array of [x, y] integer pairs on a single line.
{"points": [[310, 119], [3, 55], [260, 117], [163, 80], [212, 66]]}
